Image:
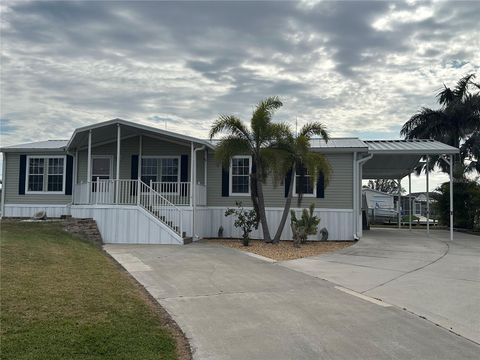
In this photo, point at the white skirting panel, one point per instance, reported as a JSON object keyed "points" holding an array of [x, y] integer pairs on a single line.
{"points": [[28, 210], [338, 222], [127, 225]]}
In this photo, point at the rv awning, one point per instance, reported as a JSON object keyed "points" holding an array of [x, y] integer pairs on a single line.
{"points": [[395, 159]]}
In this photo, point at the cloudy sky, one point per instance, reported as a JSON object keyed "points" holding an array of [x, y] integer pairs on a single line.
{"points": [[361, 68]]}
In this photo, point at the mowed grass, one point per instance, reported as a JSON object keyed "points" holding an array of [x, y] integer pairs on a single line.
{"points": [[63, 298]]}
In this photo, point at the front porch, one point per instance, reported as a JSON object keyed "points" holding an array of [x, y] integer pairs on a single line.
{"points": [[123, 164], [126, 191]]}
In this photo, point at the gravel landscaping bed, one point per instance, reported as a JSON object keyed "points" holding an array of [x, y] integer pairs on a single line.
{"points": [[285, 249]]}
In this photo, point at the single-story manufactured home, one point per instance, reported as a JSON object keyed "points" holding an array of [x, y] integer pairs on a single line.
{"points": [[147, 185]]}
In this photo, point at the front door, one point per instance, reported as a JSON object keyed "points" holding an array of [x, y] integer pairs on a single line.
{"points": [[102, 171]]}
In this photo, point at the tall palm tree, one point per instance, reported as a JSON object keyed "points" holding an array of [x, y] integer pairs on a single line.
{"points": [[253, 141], [457, 120], [293, 153]]}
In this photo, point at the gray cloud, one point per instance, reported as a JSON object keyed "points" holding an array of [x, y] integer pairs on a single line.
{"points": [[359, 67]]}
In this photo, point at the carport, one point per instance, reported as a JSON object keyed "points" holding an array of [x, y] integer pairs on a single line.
{"points": [[395, 159]]}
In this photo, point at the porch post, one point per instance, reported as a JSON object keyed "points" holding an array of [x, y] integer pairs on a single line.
{"points": [[398, 203], [428, 199], [4, 171], [139, 168], [451, 197], [192, 186], [410, 201], [89, 165], [74, 176], [355, 199], [117, 177]]}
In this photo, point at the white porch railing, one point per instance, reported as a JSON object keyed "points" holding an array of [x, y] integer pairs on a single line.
{"points": [[160, 207], [130, 192], [176, 192], [124, 192]]}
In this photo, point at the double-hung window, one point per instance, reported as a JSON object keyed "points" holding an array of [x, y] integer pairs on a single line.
{"points": [[45, 174], [164, 170], [303, 182], [240, 169]]}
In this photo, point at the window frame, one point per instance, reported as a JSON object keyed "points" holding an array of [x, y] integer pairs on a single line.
{"points": [[177, 157], [45, 174], [230, 175], [314, 187]]}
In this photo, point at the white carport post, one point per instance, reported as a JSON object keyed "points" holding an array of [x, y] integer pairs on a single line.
{"points": [[428, 198], [117, 176], [89, 165], [398, 203], [410, 201]]}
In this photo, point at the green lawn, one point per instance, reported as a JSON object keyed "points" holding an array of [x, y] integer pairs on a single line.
{"points": [[63, 298]]}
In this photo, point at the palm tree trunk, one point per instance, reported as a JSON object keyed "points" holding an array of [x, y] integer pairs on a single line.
{"points": [[261, 206], [286, 209]]}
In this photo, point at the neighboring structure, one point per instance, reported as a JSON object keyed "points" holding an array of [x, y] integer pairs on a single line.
{"points": [[380, 206], [146, 185]]}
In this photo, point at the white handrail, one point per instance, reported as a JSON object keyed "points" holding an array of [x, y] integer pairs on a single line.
{"points": [[131, 192], [160, 207]]}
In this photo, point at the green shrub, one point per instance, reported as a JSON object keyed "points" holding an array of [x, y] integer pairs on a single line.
{"points": [[306, 225], [247, 220]]}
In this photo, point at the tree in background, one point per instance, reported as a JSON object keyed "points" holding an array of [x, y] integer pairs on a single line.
{"points": [[385, 185], [466, 202], [456, 123]]}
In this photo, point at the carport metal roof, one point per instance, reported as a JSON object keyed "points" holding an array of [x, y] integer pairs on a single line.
{"points": [[395, 159]]}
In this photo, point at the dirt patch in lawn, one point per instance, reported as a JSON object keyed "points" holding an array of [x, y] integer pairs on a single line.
{"points": [[285, 249]]}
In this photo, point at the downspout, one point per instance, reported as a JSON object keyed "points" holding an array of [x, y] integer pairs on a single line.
{"points": [[194, 188], [359, 164]]}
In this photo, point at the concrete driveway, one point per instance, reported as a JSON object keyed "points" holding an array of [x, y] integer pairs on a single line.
{"points": [[429, 276], [234, 306]]}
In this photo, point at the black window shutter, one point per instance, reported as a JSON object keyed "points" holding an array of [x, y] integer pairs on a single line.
{"points": [[184, 168], [320, 185], [69, 175], [134, 168], [23, 174], [287, 182], [225, 182]]}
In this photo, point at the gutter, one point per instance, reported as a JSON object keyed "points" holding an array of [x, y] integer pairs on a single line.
{"points": [[356, 189]]}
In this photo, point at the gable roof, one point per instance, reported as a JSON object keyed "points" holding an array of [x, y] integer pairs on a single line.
{"points": [[80, 133]]}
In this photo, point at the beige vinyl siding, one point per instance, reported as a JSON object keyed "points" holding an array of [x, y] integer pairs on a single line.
{"points": [[12, 161], [129, 147], [338, 194]]}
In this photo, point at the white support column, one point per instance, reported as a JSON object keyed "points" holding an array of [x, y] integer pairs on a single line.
{"points": [[451, 197], [4, 172], [89, 165], [117, 176], [399, 203], [428, 198], [205, 166], [355, 200], [410, 201], [192, 186], [139, 168], [74, 176]]}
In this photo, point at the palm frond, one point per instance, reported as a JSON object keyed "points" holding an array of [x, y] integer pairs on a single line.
{"points": [[231, 125], [262, 116], [314, 129], [230, 146]]}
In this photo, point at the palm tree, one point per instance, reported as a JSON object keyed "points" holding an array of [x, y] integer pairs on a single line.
{"points": [[457, 120], [253, 141], [293, 153]]}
